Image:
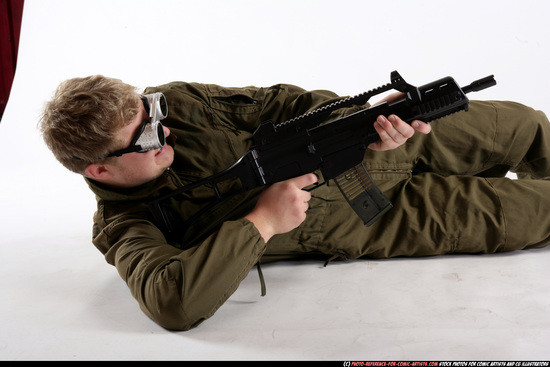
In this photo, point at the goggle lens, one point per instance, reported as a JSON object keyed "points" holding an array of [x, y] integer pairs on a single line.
{"points": [[152, 134]]}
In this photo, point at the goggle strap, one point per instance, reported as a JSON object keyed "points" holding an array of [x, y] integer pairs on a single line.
{"points": [[118, 153]]}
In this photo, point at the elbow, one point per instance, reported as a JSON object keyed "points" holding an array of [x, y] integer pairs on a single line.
{"points": [[162, 298], [162, 301], [170, 318]]}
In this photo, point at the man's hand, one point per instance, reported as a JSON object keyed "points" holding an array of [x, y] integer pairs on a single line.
{"points": [[282, 206], [393, 131]]}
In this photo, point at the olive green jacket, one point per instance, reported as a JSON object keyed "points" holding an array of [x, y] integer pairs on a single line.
{"points": [[180, 279]]}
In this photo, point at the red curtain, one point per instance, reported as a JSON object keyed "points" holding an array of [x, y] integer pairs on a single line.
{"points": [[11, 12]]}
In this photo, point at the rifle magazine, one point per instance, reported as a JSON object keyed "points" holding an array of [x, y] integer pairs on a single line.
{"points": [[362, 194]]}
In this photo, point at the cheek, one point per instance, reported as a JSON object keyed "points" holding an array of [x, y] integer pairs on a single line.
{"points": [[143, 167], [135, 165]]}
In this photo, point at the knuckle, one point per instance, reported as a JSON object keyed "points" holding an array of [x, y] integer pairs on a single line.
{"points": [[286, 186]]}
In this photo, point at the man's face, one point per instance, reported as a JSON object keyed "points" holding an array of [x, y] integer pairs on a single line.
{"points": [[134, 169]]}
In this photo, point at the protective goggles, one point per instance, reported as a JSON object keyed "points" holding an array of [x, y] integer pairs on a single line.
{"points": [[150, 136]]}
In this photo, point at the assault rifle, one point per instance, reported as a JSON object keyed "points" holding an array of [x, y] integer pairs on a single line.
{"points": [[308, 143]]}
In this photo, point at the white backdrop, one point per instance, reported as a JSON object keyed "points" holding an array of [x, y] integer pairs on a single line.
{"points": [[60, 300]]}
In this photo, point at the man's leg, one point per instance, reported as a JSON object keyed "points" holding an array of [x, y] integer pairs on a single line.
{"points": [[436, 215], [488, 140], [461, 203]]}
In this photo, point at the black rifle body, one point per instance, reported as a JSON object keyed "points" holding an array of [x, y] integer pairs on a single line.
{"points": [[336, 148]]}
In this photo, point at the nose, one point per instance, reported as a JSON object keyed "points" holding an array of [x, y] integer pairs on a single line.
{"points": [[166, 130]]}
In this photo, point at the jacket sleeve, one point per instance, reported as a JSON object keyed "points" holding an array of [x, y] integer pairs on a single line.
{"points": [[286, 101], [244, 108], [176, 288]]}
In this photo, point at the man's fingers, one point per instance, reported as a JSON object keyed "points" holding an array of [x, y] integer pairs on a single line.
{"points": [[421, 127], [393, 130], [305, 180], [401, 127]]}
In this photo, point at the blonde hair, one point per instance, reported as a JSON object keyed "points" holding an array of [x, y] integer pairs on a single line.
{"points": [[79, 124]]}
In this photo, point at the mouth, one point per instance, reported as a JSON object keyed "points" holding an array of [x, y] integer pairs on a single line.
{"points": [[160, 151]]}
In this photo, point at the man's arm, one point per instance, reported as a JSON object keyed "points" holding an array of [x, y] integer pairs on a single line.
{"points": [[180, 289]]}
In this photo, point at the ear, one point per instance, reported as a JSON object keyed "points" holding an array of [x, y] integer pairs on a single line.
{"points": [[98, 171]]}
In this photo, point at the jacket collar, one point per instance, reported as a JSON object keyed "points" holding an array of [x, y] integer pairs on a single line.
{"points": [[123, 194]]}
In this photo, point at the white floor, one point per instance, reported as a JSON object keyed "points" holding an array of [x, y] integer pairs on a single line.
{"points": [[59, 300]]}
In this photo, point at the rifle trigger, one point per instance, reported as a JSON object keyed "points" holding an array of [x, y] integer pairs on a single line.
{"points": [[315, 186]]}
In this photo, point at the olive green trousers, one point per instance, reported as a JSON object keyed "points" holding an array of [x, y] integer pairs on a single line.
{"points": [[448, 189]]}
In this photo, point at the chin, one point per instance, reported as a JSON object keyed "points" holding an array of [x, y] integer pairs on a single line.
{"points": [[165, 156]]}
